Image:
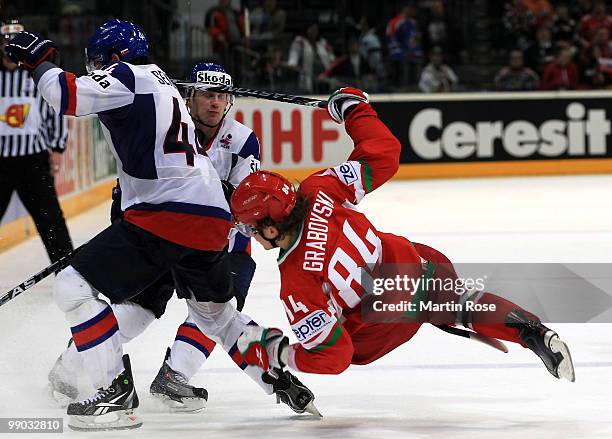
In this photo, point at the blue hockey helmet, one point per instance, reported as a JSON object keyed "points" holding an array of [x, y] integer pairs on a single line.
{"points": [[210, 73], [214, 75], [116, 36]]}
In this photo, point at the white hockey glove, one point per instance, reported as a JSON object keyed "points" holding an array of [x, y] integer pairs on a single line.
{"points": [[342, 100], [264, 347]]}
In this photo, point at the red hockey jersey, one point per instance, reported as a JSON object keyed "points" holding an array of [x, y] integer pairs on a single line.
{"points": [[320, 271]]}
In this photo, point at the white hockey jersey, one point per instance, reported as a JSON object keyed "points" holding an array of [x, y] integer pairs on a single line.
{"points": [[169, 186], [235, 152]]}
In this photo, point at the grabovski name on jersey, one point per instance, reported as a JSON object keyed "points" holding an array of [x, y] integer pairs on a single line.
{"points": [[169, 185], [235, 152]]}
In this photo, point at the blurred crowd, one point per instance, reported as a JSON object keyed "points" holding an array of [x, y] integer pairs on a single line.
{"points": [[315, 46], [407, 51], [556, 45]]}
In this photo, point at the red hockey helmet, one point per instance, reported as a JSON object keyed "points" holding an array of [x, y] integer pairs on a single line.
{"points": [[263, 194]]}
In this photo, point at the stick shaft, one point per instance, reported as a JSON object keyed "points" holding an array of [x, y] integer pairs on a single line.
{"points": [[247, 92]]}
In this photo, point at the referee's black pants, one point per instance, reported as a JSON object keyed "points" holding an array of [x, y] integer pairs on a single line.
{"points": [[31, 177]]}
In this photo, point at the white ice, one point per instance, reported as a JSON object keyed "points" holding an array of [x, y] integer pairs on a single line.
{"points": [[436, 385]]}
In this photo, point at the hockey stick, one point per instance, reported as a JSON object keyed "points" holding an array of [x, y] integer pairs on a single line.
{"points": [[29, 283], [250, 93], [493, 342]]}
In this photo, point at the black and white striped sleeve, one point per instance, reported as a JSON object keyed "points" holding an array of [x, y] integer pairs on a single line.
{"points": [[57, 129]]}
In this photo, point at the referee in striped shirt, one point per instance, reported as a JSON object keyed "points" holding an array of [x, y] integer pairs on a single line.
{"points": [[32, 138]]}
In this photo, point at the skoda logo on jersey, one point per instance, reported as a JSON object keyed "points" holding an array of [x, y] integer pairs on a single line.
{"points": [[311, 325], [214, 78]]}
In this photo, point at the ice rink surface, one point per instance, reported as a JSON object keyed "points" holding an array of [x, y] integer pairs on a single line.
{"points": [[435, 386]]}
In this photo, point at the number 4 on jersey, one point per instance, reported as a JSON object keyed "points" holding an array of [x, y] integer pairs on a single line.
{"points": [[178, 143], [295, 307]]}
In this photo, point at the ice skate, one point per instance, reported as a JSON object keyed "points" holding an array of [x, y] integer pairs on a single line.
{"points": [[175, 392], [545, 343], [111, 408]]}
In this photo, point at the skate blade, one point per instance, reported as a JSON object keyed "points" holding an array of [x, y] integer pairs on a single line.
{"points": [[62, 400], [189, 405], [566, 367], [119, 420], [312, 409]]}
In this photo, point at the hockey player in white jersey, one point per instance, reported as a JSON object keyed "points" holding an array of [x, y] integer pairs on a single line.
{"points": [[234, 151], [176, 217]]}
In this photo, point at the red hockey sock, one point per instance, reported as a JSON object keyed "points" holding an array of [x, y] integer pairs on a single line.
{"points": [[493, 323]]}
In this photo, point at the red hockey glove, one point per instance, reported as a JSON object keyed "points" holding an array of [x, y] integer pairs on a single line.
{"points": [[264, 347], [342, 100], [29, 49]]}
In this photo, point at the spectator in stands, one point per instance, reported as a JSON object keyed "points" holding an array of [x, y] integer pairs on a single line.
{"points": [[541, 10], [267, 20], [563, 26], [273, 74], [439, 30], [310, 55], [404, 43], [225, 26], [515, 76], [351, 68], [437, 77], [518, 23], [595, 60], [580, 8], [591, 22], [371, 48], [562, 73], [541, 52], [600, 43]]}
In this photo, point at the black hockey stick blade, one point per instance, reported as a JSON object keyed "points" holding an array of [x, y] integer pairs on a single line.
{"points": [[493, 342], [250, 93], [56, 267]]}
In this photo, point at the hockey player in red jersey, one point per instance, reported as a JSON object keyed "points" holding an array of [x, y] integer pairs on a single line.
{"points": [[328, 249]]}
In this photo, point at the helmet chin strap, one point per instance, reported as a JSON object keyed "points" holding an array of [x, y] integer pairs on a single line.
{"points": [[271, 241]]}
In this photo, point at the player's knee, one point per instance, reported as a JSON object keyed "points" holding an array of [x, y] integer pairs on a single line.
{"points": [[71, 290]]}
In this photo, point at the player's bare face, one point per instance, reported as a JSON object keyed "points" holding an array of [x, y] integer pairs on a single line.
{"points": [[209, 106]]}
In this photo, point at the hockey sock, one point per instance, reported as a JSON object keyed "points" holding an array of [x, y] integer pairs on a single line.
{"points": [[94, 328], [190, 350], [493, 323], [133, 319], [223, 323]]}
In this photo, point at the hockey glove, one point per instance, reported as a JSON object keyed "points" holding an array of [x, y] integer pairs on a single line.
{"points": [[342, 101], [30, 50], [116, 213], [264, 347]]}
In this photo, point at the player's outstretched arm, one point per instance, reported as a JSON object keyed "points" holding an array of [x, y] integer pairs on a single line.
{"points": [[101, 90], [323, 345], [376, 148], [375, 158]]}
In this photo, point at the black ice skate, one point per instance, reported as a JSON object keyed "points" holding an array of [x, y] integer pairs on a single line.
{"points": [[172, 388], [111, 408], [545, 343], [291, 391], [62, 383]]}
